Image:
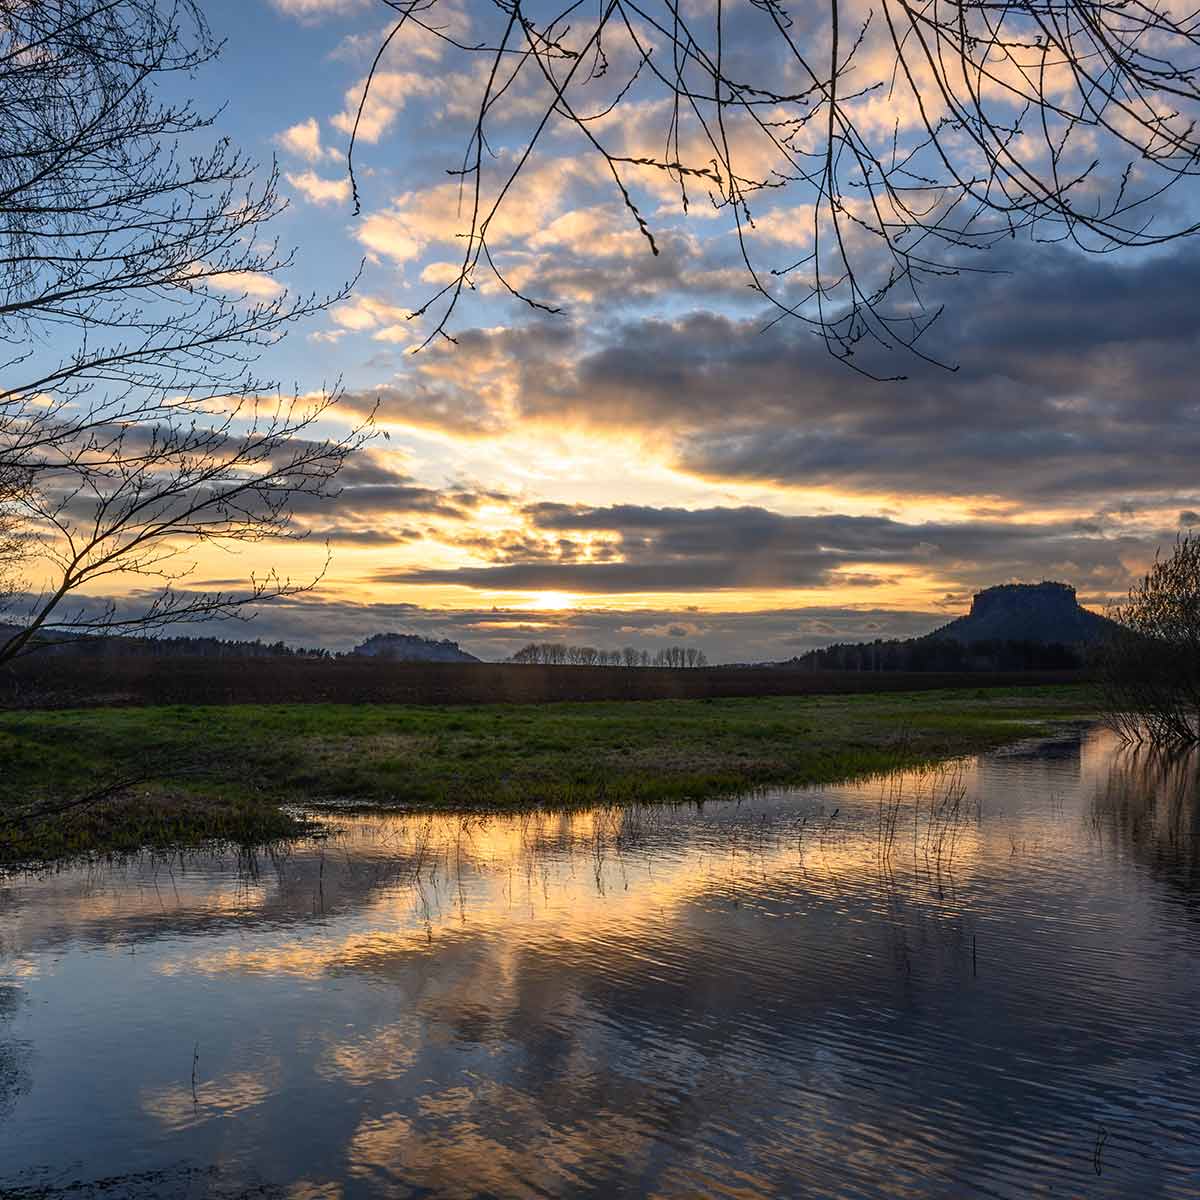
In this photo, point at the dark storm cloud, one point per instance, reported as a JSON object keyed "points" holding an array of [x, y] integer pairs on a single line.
{"points": [[345, 536], [1075, 380], [365, 499], [371, 496], [452, 387], [676, 549]]}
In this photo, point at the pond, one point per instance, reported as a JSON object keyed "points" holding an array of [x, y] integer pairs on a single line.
{"points": [[982, 980]]}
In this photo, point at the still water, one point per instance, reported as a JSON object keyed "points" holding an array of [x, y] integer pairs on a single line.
{"points": [[980, 981]]}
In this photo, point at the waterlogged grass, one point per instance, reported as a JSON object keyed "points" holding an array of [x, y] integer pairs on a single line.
{"points": [[135, 821], [225, 772]]}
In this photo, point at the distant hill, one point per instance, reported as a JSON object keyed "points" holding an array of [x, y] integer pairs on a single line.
{"points": [[1014, 627], [1046, 613], [409, 647]]}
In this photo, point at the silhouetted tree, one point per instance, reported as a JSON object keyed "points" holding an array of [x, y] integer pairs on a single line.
{"points": [[137, 289], [1150, 669], [12, 533]]}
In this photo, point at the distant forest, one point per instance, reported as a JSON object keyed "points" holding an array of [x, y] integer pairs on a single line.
{"points": [[170, 647], [942, 654]]}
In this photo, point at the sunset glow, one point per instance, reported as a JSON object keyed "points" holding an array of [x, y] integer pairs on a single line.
{"points": [[599, 600], [552, 602], [649, 447]]}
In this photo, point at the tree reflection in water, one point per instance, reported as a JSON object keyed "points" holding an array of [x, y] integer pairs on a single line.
{"points": [[1149, 807]]}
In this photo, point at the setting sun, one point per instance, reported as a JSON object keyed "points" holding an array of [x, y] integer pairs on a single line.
{"points": [[551, 602]]}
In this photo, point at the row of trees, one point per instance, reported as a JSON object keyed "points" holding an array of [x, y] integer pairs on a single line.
{"points": [[558, 654], [111, 648]]}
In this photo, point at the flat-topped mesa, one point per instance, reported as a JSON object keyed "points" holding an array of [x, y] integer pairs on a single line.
{"points": [[1045, 612], [1045, 597], [1013, 627], [411, 647]]}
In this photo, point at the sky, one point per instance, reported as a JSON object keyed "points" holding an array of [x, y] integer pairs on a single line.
{"points": [[660, 461]]}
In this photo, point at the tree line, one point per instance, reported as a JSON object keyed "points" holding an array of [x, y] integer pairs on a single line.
{"points": [[85, 646], [558, 654], [942, 654]]}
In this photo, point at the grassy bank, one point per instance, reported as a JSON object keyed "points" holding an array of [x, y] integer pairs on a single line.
{"points": [[224, 772]]}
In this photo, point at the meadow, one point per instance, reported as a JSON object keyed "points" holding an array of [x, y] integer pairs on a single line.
{"points": [[115, 779]]}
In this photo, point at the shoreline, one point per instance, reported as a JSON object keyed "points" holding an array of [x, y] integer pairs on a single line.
{"points": [[195, 774]]}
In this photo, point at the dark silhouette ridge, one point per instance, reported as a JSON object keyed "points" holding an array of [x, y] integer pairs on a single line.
{"points": [[411, 647], [1047, 613], [1012, 627]]}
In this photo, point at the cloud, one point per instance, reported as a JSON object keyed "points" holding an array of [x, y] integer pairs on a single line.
{"points": [[309, 10], [419, 405], [1073, 388], [303, 140], [371, 537], [470, 389], [316, 189], [389, 93], [363, 313], [253, 284], [663, 550], [319, 619], [377, 504], [441, 215]]}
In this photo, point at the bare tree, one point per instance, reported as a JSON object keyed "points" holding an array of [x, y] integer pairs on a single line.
{"points": [[559, 654], [1149, 669], [137, 289], [898, 140], [12, 534]]}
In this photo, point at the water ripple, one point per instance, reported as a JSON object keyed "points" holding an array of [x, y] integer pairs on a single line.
{"points": [[975, 982]]}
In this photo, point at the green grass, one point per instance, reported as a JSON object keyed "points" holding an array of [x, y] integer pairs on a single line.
{"points": [[224, 771]]}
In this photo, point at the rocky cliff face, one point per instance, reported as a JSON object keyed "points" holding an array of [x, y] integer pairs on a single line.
{"points": [[409, 647], [1035, 612]]}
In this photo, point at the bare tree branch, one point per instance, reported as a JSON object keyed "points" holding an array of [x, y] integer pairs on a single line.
{"points": [[138, 287], [905, 138]]}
